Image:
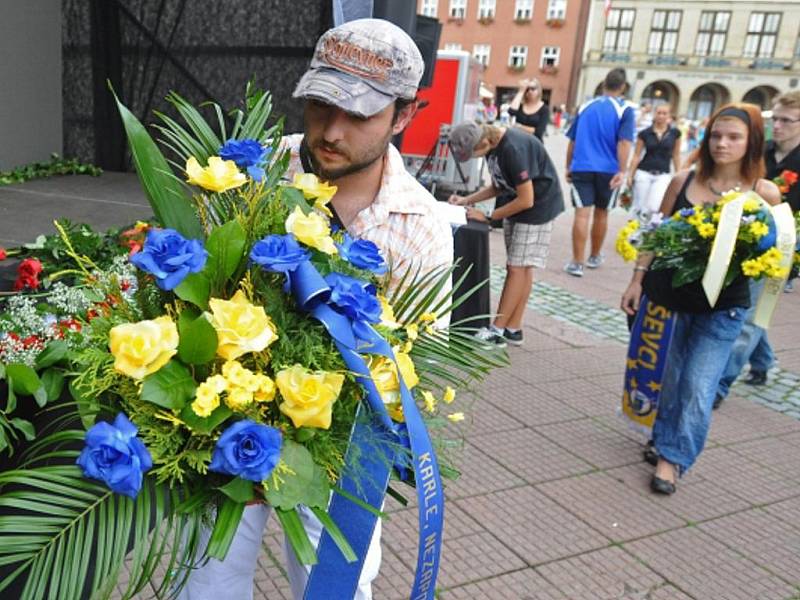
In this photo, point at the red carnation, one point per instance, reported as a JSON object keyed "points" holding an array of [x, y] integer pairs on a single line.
{"points": [[3, 253], [790, 177], [28, 274]]}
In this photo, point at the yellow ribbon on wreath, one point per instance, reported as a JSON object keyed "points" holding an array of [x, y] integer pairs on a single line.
{"points": [[722, 248], [785, 242]]}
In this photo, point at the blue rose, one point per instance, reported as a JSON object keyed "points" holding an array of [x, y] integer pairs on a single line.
{"points": [[362, 254], [248, 450], [114, 455], [170, 257], [279, 253], [247, 154], [686, 212], [354, 298]]}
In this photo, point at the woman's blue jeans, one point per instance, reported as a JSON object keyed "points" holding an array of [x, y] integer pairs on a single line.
{"points": [[698, 353]]}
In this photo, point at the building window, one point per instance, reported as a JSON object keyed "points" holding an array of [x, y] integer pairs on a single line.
{"points": [[458, 9], [762, 32], [481, 53], [712, 33], [486, 9], [556, 9], [619, 29], [550, 56], [430, 8], [518, 57], [523, 11], [452, 46], [664, 32]]}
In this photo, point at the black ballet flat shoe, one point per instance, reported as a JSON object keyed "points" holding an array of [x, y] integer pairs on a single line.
{"points": [[756, 378], [662, 486], [650, 454], [717, 402]]}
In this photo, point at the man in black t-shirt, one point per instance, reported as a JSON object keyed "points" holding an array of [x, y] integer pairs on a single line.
{"points": [[522, 172], [782, 155]]}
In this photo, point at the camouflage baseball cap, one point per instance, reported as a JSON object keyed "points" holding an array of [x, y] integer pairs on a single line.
{"points": [[463, 139], [362, 66]]}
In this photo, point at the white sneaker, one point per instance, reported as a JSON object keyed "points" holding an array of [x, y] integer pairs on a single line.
{"points": [[574, 269], [595, 261], [489, 336]]}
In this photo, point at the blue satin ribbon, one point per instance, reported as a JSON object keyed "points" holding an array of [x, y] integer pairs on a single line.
{"points": [[333, 577]]}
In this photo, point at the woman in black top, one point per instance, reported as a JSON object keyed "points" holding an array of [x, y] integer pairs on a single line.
{"points": [[531, 114], [730, 157], [650, 172]]}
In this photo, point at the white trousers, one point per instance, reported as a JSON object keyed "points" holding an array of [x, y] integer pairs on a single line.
{"points": [[232, 578], [648, 191]]}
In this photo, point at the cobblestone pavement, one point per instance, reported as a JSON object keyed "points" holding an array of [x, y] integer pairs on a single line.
{"points": [[553, 502], [782, 393]]}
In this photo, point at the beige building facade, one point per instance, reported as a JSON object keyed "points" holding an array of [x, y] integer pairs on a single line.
{"points": [[694, 55], [516, 40]]}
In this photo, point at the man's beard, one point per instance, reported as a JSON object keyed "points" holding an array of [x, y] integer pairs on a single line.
{"points": [[358, 163]]}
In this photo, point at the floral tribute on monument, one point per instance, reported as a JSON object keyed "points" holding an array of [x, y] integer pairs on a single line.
{"points": [[245, 351]]}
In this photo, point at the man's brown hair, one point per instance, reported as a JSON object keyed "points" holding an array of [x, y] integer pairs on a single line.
{"points": [[788, 100]]}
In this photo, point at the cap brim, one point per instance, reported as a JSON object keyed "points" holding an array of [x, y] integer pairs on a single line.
{"points": [[343, 90], [460, 154]]}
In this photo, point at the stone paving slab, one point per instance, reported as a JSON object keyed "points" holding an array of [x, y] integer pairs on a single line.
{"points": [[763, 538], [531, 456], [536, 527], [706, 569], [607, 573], [610, 507], [525, 584]]}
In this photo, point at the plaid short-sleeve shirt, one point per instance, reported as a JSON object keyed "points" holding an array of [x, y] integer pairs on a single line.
{"points": [[401, 220]]}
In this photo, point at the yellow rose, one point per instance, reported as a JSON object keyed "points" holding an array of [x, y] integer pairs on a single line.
{"points": [[206, 398], [311, 229], [387, 314], [449, 395], [384, 374], [430, 401], [407, 369], [241, 327], [219, 176], [412, 331], [312, 187], [308, 396], [396, 412], [142, 348], [265, 390]]}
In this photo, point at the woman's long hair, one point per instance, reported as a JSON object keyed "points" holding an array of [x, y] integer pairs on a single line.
{"points": [[752, 166]]}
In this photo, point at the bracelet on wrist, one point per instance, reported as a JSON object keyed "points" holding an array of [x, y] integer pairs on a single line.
{"points": [[641, 268]]}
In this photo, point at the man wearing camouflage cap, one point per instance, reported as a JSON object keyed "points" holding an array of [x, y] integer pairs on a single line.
{"points": [[359, 91]]}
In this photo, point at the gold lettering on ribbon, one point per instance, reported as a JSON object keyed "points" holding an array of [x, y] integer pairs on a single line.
{"points": [[773, 288], [722, 249]]}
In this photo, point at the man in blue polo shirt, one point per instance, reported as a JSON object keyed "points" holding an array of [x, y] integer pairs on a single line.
{"points": [[597, 158]]}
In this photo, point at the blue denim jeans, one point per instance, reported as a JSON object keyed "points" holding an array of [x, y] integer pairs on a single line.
{"points": [[701, 344], [751, 346]]}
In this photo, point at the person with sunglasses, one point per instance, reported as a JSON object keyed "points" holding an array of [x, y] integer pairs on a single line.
{"points": [[530, 112]]}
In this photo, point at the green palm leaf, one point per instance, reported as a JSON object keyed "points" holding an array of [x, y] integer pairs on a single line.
{"points": [[167, 199], [55, 524]]}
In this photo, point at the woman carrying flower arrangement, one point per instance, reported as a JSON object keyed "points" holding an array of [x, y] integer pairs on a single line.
{"points": [[730, 158]]}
